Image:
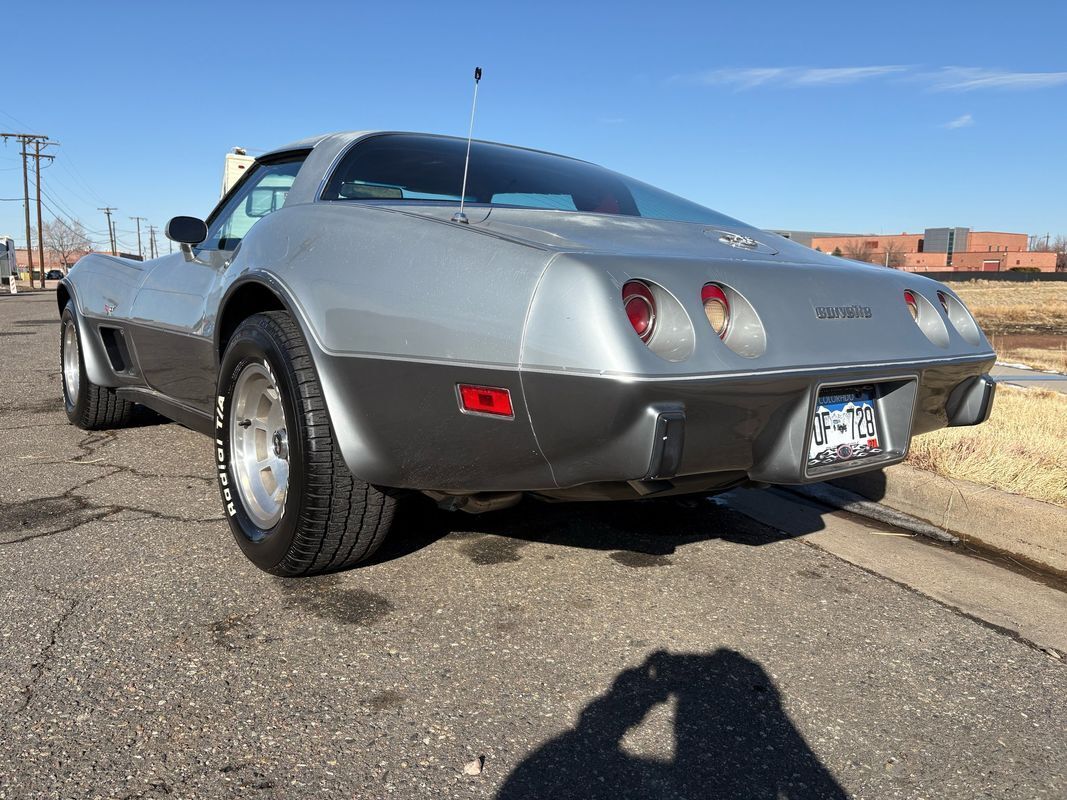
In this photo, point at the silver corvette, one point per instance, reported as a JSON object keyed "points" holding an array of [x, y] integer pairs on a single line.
{"points": [[346, 336]]}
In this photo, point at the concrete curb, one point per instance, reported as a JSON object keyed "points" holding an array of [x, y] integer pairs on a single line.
{"points": [[1027, 529], [837, 497]]}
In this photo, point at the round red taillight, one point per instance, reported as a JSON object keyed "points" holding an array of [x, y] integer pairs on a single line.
{"points": [[716, 307], [640, 308], [943, 298], [913, 303]]}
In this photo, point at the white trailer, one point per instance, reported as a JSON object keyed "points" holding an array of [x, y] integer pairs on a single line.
{"points": [[236, 164]]}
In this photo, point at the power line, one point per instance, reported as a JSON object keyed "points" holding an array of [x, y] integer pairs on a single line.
{"points": [[61, 205], [75, 173], [63, 222], [70, 189], [70, 216], [17, 121]]}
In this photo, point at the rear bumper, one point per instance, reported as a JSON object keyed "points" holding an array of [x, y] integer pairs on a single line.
{"points": [[594, 429], [592, 436]]}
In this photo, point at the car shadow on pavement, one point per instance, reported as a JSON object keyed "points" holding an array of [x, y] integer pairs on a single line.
{"points": [[732, 739], [655, 528]]}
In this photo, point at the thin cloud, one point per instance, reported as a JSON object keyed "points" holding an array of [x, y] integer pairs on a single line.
{"points": [[969, 79], [790, 77], [962, 121], [943, 79]]}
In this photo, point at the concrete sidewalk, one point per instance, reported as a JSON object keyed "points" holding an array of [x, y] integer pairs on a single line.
{"points": [[1029, 378], [1025, 529], [1014, 602]]}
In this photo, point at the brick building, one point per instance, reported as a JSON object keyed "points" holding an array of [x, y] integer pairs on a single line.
{"points": [[941, 249], [52, 260]]}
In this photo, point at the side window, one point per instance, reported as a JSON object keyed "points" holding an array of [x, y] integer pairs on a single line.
{"points": [[262, 192]]}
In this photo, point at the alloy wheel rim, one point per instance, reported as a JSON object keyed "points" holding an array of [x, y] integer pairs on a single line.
{"points": [[259, 445], [71, 362]]}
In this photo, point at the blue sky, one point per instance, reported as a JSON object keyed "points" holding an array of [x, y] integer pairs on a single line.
{"points": [[879, 117]]}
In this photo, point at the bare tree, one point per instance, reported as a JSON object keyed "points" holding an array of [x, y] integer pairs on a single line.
{"points": [[857, 250], [893, 254], [1046, 244], [66, 240], [1059, 247]]}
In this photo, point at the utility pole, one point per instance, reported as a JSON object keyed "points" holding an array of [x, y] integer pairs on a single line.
{"points": [[152, 240], [25, 139], [26, 205], [37, 156], [110, 230], [140, 250]]}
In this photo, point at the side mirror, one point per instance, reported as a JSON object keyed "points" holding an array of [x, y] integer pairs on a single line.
{"points": [[186, 230]]}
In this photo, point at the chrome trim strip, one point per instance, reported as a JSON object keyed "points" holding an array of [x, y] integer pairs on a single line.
{"points": [[817, 369]]}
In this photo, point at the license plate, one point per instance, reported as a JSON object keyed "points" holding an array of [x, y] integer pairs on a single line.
{"points": [[844, 426]]}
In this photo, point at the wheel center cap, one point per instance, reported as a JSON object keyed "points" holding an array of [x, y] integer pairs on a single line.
{"points": [[280, 443]]}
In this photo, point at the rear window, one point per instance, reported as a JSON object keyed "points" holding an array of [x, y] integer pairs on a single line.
{"points": [[420, 168]]}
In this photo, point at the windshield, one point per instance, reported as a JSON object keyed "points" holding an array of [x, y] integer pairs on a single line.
{"points": [[418, 167]]}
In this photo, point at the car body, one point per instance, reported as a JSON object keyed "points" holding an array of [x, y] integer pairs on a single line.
{"points": [[54, 275], [400, 302]]}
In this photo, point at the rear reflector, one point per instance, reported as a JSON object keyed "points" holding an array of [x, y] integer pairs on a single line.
{"points": [[485, 400]]}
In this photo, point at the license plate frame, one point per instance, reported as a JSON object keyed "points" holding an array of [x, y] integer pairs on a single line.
{"points": [[846, 427]]}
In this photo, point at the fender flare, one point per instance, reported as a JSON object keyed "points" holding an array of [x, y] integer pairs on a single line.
{"points": [[92, 349], [281, 293]]}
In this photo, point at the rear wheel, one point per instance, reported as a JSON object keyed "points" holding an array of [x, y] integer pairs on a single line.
{"points": [[293, 506], [88, 406]]}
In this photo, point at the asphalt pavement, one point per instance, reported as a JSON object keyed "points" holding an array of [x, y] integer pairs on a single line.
{"points": [[669, 649]]}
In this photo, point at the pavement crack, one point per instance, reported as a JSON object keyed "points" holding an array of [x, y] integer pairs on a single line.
{"points": [[75, 510], [46, 534], [124, 469], [35, 426], [38, 669]]}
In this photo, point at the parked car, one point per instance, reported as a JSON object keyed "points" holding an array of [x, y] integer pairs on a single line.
{"points": [[54, 275], [345, 335]]}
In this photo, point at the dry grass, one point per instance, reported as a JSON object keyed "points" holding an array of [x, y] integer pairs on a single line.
{"points": [[1021, 449], [1035, 357], [1011, 307], [1026, 322]]}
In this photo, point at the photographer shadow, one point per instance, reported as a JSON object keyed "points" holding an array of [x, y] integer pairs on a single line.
{"points": [[733, 739]]}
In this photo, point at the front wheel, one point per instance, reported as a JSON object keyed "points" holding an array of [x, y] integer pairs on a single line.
{"points": [[88, 406], [293, 506]]}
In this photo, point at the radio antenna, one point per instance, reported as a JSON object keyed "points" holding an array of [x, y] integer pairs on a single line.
{"points": [[459, 216]]}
